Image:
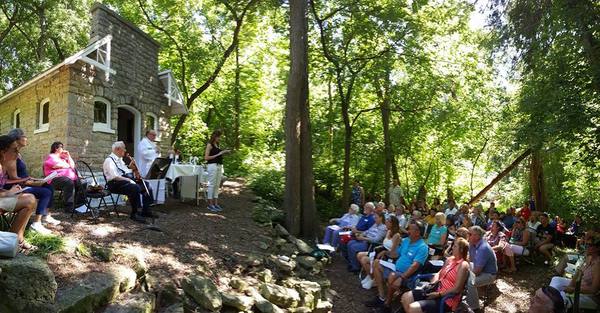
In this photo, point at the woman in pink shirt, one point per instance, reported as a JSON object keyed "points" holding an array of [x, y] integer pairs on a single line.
{"points": [[59, 161]]}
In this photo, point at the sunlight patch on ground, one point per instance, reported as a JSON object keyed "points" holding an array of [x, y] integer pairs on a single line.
{"points": [[197, 245], [215, 215]]}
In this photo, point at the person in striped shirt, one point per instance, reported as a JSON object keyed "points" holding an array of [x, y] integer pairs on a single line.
{"points": [[452, 278]]}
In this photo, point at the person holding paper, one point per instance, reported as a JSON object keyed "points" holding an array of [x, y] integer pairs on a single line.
{"points": [[18, 175], [362, 240], [387, 251], [22, 205], [332, 232], [213, 155], [59, 169], [413, 252], [452, 278]]}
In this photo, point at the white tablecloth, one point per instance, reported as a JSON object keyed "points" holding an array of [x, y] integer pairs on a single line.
{"points": [[177, 170]]}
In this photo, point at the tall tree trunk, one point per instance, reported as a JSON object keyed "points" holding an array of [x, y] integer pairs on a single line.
{"points": [[299, 183], [383, 95], [536, 178], [330, 118], [500, 176], [475, 163], [236, 100], [395, 174], [347, 150]]}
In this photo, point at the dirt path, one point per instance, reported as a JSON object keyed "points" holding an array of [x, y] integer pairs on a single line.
{"points": [[192, 238]]}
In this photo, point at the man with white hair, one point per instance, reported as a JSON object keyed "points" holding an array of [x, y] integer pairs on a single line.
{"points": [[146, 151], [332, 232], [120, 180]]}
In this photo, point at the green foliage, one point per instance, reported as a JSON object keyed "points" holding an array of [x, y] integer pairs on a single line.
{"points": [[266, 214], [47, 244], [269, 185], [458, 114]]}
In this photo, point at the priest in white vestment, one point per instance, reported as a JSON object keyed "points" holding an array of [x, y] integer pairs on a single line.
{"points": [[146, 151]]}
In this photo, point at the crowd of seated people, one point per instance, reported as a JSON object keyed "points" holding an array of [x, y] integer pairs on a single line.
{"points": [[472, 246]]}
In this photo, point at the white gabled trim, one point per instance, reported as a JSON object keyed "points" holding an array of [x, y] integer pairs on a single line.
{"points": [[102, 61], [173, 94]]}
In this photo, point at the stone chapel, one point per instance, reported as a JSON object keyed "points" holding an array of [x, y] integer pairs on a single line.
{"points": [[111, 90]]}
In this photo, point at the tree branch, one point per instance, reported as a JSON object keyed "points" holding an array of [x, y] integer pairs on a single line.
{"points": [[177, 47], [239, 19]]}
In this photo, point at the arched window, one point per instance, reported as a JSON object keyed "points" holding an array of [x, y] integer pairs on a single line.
{"points": [[43, 120], [16, 119], [151, 122], [102, 119]]}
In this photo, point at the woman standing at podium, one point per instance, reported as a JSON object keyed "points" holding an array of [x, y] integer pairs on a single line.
{"points": [[214, 159]]}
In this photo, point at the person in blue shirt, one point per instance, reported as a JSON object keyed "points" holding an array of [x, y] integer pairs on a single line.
{"points": [[332, 232], [438, 235], [366, 221], [413, 253], [362, 240], [485, 266]]}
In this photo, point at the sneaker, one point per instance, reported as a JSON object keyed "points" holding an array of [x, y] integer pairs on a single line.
{"points": [[375, 303], [218, 207], [367, 283], [39, 228], [212, 208], [138, 218], [362, 282], [50, 220]]}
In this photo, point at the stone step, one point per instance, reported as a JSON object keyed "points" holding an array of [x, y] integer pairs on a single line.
{"points": [[132, 303], [95, 290], [26, 285]]}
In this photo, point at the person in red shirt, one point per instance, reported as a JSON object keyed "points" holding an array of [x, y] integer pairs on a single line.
{"points": [[525, 211]]}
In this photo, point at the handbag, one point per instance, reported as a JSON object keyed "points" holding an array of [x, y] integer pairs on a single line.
{"points": [[431, 287], [9, 245], [345, 239]]}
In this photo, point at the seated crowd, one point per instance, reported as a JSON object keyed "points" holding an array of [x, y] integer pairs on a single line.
{"points": [[463, 248], [24, 195]]}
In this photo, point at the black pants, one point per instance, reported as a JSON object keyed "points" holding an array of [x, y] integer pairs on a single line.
{"points": [[70, 188], [133, 192]]}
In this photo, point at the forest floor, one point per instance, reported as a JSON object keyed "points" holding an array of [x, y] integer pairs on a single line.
{"points": [[193, 239]]}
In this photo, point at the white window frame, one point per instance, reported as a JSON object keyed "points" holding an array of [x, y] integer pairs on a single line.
{"points": [[14, 121], [42, 128], [155, 126], [103, 127]]}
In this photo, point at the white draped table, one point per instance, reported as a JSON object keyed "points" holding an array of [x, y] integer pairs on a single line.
{"points": [[192, 177], [176, 170]]}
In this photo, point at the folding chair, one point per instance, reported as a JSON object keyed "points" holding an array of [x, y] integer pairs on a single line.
{"points": [[6, 220], [84, 172]]}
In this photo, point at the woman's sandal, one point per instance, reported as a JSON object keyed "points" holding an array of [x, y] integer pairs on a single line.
{"points": [[26, 248]]}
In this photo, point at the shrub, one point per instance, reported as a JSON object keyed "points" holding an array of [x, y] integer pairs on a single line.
{"points": [[269, 185]]}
